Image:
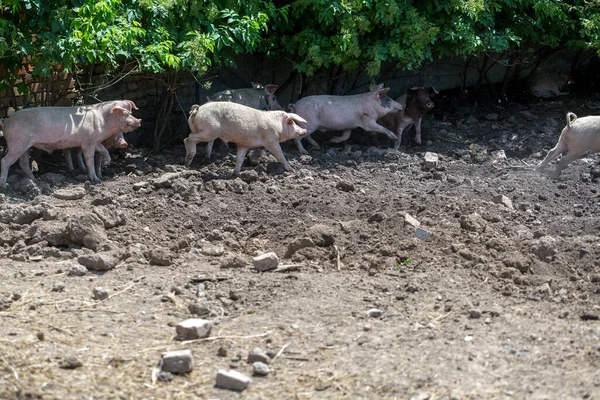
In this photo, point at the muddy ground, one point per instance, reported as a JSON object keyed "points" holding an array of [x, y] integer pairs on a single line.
{"points": [[493, 298]]}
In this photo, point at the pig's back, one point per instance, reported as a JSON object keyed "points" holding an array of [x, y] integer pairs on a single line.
{"points": [[228, 117], [40, 120], [333, 112]]}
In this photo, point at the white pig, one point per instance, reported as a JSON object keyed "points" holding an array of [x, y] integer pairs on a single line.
{"points": [[52, 128], [102, 157], [245, 126], [577, 138], [344, 113], [259, 97]]}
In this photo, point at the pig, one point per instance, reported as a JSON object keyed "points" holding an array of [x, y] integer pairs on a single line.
{"points": [[259, 97], [102, 157], [416, 102], [577, 138], [245, 126], [549, 84], [51, 128], [344, 113]]}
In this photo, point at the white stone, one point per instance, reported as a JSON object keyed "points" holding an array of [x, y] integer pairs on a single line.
{"points": [[265, 262], [177, 362], [501, 199], [193, 328], [430, 160], [232, 380], [410, 220]]}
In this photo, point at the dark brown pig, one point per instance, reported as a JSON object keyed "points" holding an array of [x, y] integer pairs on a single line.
{"points": [[580, 136], [259, 97], [344, 113], [549, 84], [245, 126], [417, 102], [52, 128]]}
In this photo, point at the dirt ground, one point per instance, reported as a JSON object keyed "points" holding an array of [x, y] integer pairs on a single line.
{"points": [[492, 298]]}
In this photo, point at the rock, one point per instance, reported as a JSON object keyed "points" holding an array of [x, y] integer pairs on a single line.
{"points": [[422, 234], [99, 293], [249, 176], [77, 270], [160, 256], [260, 369], [58, 287], [545, 248], [233, 261], [501, 199], [111, 217], [209, 249], [53, 232], [88, 230], [72, 193], [298, 244], [409, 219], [321, 235], [141, 185], [103, 261], [258, 355], [518, 261], [266, 261], [70, 363], [430, 160], [222, 352], [232, 380], [165, 376], [200, 310], [345, 186], [374, 313], [177, 362], [193, 328], [474, 314]]}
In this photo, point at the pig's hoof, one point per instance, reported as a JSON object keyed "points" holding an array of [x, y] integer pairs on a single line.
{"points": [[338, 139]]}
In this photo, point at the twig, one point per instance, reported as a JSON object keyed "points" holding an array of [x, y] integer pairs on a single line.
{"points": [[280, 352], [288, 267], [337, 253], [209, 339]]}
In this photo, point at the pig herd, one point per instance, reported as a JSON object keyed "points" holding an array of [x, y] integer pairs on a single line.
{"points": [[251, 118]]}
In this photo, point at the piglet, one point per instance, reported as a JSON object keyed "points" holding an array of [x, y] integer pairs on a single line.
{"points": [[549, 84], [417, 102], [245, 126], [52, 128], [577, 138]]}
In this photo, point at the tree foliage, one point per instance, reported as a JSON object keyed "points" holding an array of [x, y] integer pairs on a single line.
{"points": [[46, 36]]}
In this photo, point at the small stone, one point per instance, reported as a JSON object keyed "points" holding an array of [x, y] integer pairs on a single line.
{"points": [[58, 287], [193, 328], [468, 338], [165, 376], [345, 186], [99, 261], [374, 313], [257, 355], [77, 270], [70, 363], [99, 293], [474, 314], [232, 380], [260, 369], [40, 336], [266, 261], [501, 199], [199, 309], [430, 160], [367, 327], [160, 256], [421, 396], [222, 352], [587, 316], [177, 362], [422, 234]]}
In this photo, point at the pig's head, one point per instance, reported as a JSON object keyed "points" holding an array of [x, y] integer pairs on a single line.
{"points": [[418, 99], [293, 126], [272, 102], [386, 103], [257, 85], [190, 150], [125, 120], [565, 79]]}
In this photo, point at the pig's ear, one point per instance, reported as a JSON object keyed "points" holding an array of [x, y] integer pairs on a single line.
{"points": [[120, 109], [382, 92], [133, 106], [256, 85], [270, 89], [295, 118], [380, 86], [432, 91]]}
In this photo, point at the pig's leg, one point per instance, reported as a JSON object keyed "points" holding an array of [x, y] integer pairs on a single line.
{"points": [[241, 154], [79, 156], [373, 126], [68, 159], [88, 155], [24, 164], [566, 160], [552, 154], [399, 134], [275, 149], [209, 147], [312, 142], [345, 136], [7, 161], [418, 129], [190, 148], [301, 148]]}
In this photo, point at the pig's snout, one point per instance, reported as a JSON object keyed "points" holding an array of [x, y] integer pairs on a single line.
{"points": [[122, 144], [429, 105], [302, 131], [135, 123]]}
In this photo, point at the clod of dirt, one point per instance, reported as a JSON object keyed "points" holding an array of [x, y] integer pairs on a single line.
{"points": [[160, 256], [475, 314], [298, 244], [58, 287], [345, 186], [473, 223], [53, 232], [545, 248], [502, 199], [73, 193], [77, 270], [209, 249], [21, 215], [70, 363], [233, 261], [88, 230], [111, 217], [103, 261], [518, 261], [200, 310], [321, 235]]}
